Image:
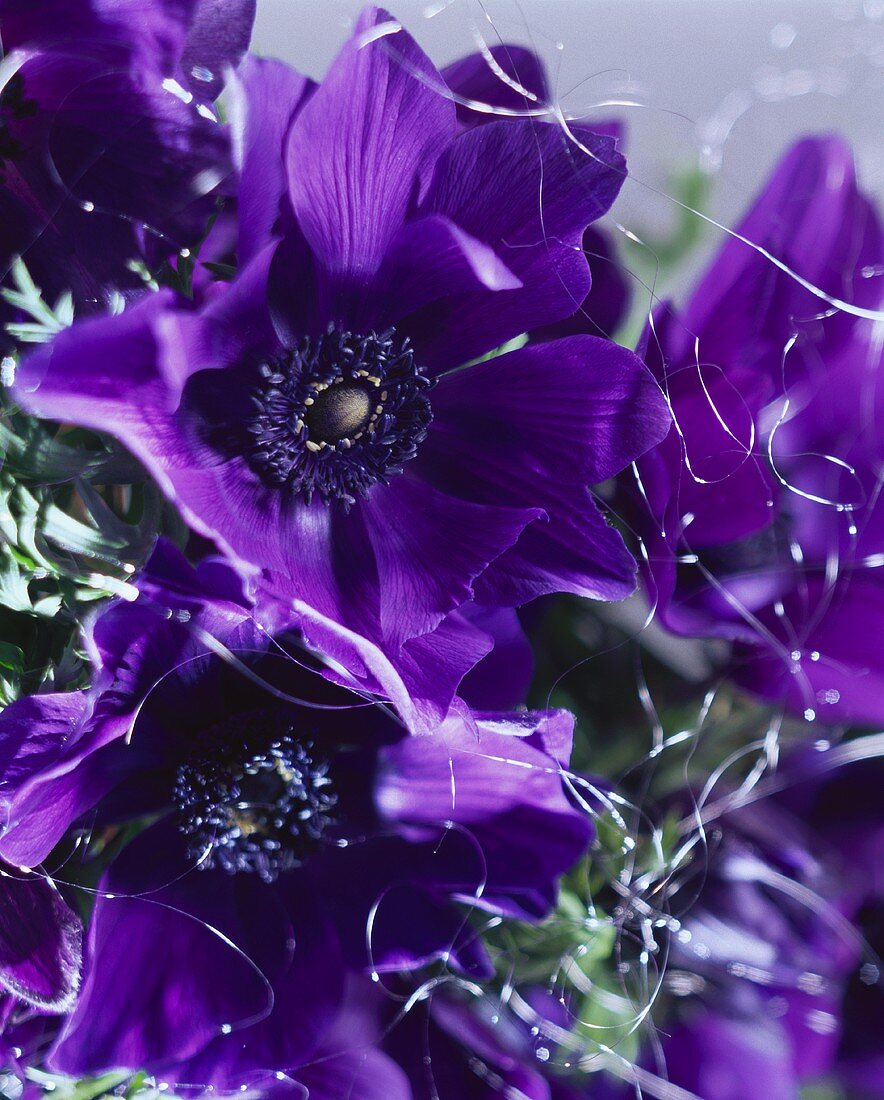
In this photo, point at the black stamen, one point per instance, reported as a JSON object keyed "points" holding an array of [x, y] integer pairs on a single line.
{"points": [[336, 415], [253, 799]]}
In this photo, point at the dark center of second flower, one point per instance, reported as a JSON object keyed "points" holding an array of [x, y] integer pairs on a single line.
{"points": [[336, 415], [254, 798]]}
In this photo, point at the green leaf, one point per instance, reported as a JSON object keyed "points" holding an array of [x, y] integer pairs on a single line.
{"points": [[28, 298]]}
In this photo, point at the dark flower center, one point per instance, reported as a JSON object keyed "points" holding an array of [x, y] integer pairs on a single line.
{"points": [[337, 414], [255, 799]]}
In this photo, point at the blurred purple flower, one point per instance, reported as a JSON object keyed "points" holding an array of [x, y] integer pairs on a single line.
{"points": [[107, 134], [759, 511], [768, 964]]}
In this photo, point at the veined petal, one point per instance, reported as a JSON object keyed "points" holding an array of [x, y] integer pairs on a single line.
{"points": [[364, 145]]}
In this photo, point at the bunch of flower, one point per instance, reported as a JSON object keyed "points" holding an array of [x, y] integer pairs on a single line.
{"points": [[316, 440]]}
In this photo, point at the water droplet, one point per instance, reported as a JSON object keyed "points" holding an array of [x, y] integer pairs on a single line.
{"points": [[87, 207], [201, 73], [226, 1029], [170, 84], [782, 36], [809, 714], [869, 974], [542, 1054], [823, 1023], [811, 983]]}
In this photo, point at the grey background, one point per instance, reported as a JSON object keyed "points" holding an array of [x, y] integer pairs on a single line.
{"points": [[720, 84]]}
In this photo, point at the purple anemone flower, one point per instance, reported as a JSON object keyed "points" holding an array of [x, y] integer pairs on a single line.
{"points": [[329, 418], [108, 139], [297, 832], [760, 510]]}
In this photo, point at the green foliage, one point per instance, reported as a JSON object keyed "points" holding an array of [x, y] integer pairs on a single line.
{"points": [[47, 321], [77, 518], [138, 1087]]}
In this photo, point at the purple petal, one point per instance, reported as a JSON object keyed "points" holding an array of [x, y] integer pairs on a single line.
{"points": [[429, 259], [157, 27], [600, 409], [501, 783], [306, 996], [38, 799], [497, 81], [364, 1074], [554, 190], [363, 145], [429, 549], [744, 310], [715, 1056], [576, 411], [393, 908], [234, 323], [176, 957], [266, 97], [420, 681], [40, 942], [837, 675], [217, 38], [604, 308], [91, 371], [502, 679], [576, 551]]}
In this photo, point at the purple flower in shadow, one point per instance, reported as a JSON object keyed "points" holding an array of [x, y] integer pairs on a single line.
{"points": [[295, 832]]}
